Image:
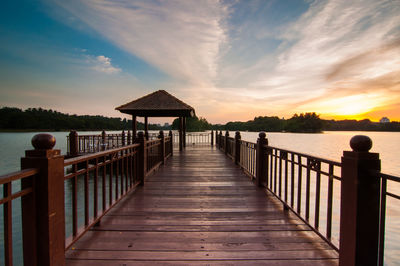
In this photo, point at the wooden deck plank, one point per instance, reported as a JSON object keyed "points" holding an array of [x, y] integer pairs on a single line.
{"points": [[200, 209]]}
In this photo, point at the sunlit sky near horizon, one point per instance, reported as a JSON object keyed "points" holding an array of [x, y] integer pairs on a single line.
{"points": [[230, 60]]}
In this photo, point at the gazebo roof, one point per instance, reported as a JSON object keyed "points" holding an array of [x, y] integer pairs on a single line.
{"points": [[157, 104]]}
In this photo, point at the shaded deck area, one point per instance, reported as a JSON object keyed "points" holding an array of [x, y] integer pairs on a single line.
{"points": [[200, 209]]}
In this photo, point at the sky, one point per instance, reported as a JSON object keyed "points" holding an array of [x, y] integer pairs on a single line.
{"points": [[230, 60]]}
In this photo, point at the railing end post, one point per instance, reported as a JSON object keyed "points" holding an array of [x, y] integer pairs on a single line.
{"points": [[360, 204], [73, 143], [261, 159], [43, 218], [237, 147]]}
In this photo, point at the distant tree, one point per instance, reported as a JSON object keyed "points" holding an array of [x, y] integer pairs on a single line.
{"points": [[193, 124], [42, 119], [306, 123]]}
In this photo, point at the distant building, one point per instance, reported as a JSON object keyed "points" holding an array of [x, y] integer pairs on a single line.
{"points": [[384, 120]]}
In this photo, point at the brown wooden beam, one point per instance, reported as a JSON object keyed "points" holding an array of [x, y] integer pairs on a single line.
{"points": [[184, 132], [146, 128], [180, 134], [134, 128]]}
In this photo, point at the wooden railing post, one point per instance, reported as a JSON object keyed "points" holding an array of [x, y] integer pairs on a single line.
{"points": [[359, 207], [103, 138], [226, 141], [129, 137], [171, 142], [162, 151], [73, 143], [237, 147], [142, 157], [44, 237], [212, 138], [123, 138], [220, 139], [261, 159]]}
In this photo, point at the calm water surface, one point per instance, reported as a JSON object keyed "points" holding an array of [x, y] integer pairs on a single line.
{"points": [[329, 145]]}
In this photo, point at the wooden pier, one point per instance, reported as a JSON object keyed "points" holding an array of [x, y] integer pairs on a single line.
{"points": [[130, 199], [200, 208]]}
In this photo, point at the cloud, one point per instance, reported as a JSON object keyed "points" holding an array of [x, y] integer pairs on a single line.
{"points": [[181, 38], [103, 64], [336, 46]]}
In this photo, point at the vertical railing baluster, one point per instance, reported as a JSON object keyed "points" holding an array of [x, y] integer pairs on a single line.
{"points": [[329, 204], [382, 219], [122, 171], [286, 177], [116, 175], [317, 194], [299, 184], [110, 180], [86, 196], [95, 188], [75, 201], [280, 175], [128, 152], [308, 177], [7, 216], [292, 181], [103, 188], [275, 169]]}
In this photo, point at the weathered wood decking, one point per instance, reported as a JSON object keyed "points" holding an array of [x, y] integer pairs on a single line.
{"points": [[200, 209]]}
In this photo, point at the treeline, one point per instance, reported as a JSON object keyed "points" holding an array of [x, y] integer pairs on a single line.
{"points": [[308, 123], [42, 119], [359, 125], [193, 124]]}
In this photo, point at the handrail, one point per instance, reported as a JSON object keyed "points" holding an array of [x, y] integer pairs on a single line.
{"points": [[300, 191], [26, 192], [194, 138], [297, 180], [117, 170], [384, 194]]}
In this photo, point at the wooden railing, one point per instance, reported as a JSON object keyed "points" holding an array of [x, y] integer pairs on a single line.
{"points": [[195, 138], [62, 198], [91, 143], [247, 160], [385, 178], [114, 172], [295, 179], [324, 192], [23, 189]]}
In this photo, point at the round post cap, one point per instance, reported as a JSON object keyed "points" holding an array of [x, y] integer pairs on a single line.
{"points": [[262, 135], [361, 143], [43, 141]]}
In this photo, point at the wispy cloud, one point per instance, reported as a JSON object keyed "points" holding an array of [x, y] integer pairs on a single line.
{"points": [[181, 38], [222, 60], [336, 46], [103, 64]]}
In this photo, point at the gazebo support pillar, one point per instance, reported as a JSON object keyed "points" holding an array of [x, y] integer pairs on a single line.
{"points": [[134, 128], [146, 128], [184, 132], [180, 133]]}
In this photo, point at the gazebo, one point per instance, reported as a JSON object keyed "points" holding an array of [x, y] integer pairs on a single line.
{"points": [[158, 104]]}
